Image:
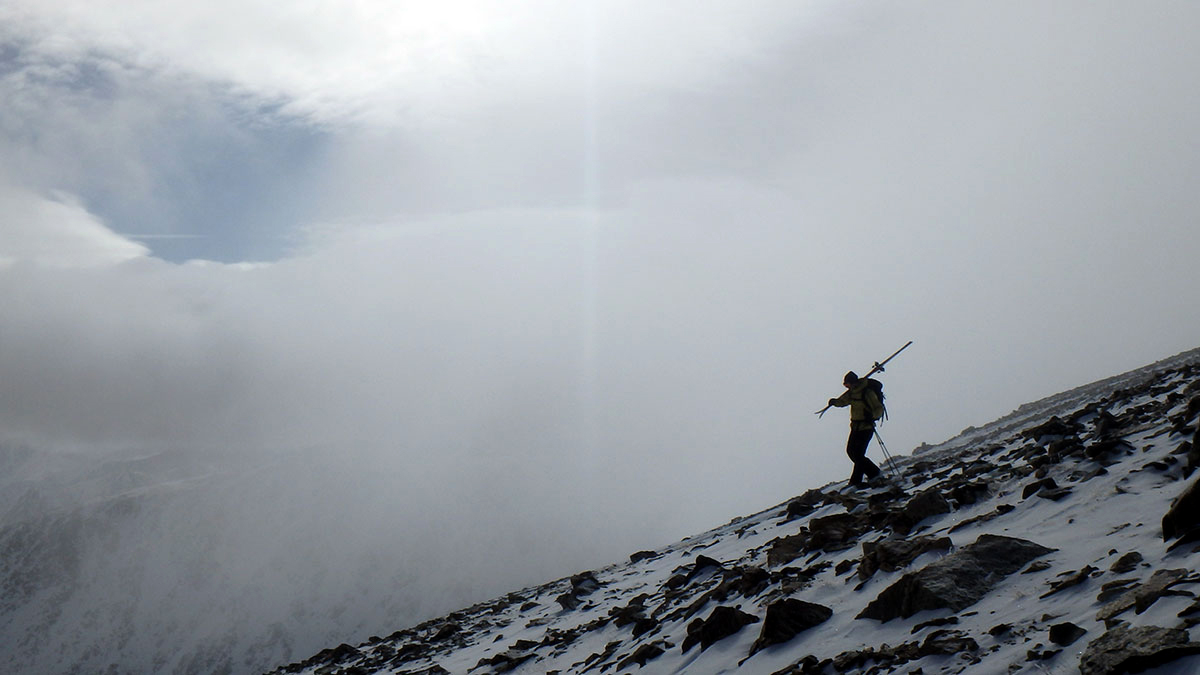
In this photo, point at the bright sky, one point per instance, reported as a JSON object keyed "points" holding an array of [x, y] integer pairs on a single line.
{"points": [[635, 244]]}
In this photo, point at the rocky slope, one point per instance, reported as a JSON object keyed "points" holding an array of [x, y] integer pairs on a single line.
{"points": [[1043, 542]]}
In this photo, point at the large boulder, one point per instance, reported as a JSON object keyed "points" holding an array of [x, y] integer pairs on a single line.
{"points": [[788, 618], [643, 654], [966, 493], [1065, 634], [805, 504], [957, 581], [837, 532], [786, 549], [1052, 430], [1131, 650], [925, 505], [1184, 515], [890, 555], [582, 585], [723, 622]]}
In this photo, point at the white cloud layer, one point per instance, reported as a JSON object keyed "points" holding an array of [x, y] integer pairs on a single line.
{"points": [[378, 60], [57, 232]]}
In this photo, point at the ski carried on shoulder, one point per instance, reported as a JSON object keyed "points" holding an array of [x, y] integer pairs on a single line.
{"points": [[877, 368]]}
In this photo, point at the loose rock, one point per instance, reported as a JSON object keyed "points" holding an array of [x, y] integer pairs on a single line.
{"points": [[890, 555], [1126, 563], [1129, 650], [788, 618], [957, 581], [1184, 514], [1066, 633], [1141, 597], [925, 505], [723, 622]]}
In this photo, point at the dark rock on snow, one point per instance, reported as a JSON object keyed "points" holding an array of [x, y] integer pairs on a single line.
{"points": [[1066, 633], [925, 505], [805, 504], [957, 581], [1070, 580], [809, 665], [1101, 451], [1126, 563], [723, 622], [890, 555], [753, 580], [966, 494], [788, 618], [947, 642], [643, 555], [1115, 589], [1051, 430], [644, 625], [786, 549], [506, 661], [837, 532], [886, 658], [643, 655], [582, 585], [629, 614], [1142, 596], [704, 563], [935, 623], [1129, 650], [1035, 487], [1184, 514]]}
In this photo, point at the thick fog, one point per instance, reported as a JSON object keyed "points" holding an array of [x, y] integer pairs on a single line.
{"points": [[572, 279]]}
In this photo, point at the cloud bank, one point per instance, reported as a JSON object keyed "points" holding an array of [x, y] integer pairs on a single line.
{"points": [[57, 233]]}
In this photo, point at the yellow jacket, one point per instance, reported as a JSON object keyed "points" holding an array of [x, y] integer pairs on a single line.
{"points": [[865, 406]]}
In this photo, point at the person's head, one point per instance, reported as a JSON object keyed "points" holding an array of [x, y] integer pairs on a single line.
{"points": [[850, 379]]}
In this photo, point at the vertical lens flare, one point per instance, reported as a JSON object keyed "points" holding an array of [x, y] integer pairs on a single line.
{"points": [[589, 248]]}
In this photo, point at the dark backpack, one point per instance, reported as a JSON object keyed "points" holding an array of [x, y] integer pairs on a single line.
{"points": [[877, 387]]}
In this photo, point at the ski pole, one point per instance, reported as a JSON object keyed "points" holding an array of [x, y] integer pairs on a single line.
{"points": [[877, 368], [891, 463]]}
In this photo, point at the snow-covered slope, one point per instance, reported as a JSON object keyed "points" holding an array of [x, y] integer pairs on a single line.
{"points": [[1032, 544]]}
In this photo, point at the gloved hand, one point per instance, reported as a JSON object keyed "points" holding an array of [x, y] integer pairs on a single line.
{"points": [[833, 401]]}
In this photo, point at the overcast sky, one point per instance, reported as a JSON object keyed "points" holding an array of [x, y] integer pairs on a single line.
{"points": [[623, 248]]}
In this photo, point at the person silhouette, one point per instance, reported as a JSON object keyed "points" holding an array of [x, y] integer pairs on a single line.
{"points": [[865, 408]]}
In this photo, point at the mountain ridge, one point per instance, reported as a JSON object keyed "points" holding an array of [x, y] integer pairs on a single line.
{"points": [[884, 580]]}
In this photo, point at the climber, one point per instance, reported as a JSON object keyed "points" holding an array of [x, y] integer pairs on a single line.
{"points": [[866, 406]]}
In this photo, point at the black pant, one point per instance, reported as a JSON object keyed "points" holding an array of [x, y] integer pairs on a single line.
{"points": [[856, 448]]}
